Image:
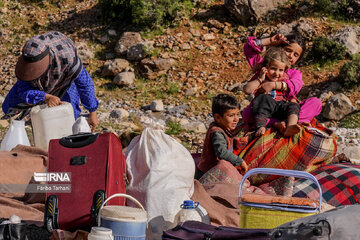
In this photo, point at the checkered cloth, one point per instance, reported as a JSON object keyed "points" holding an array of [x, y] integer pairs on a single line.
{"points": [[64, 67], [340, 184], [307, 150]]}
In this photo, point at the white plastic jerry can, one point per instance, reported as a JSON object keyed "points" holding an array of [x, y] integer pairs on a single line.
{"points": [[51, 123], [15, 135]]}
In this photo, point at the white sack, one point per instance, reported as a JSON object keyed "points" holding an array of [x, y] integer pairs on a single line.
{"points": [[161, 174]]}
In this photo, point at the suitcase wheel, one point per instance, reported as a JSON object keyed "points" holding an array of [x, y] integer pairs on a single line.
{"points": [[98, 200], [51, 213]]}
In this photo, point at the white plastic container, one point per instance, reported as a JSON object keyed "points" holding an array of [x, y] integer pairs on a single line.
{"points": [[15, 135], [191, 211], [100, 233], [51, 123], [81, 125]]}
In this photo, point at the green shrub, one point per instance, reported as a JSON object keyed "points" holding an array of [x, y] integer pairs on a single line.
{"points": [[325, 51], [173, 88], [351, 121], [173, 128], [145, 13], [350, 72], [339, 9], [326, 6]]}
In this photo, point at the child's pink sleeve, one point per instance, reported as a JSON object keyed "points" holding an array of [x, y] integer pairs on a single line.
{"points": [[251, 51], [294, 82]]}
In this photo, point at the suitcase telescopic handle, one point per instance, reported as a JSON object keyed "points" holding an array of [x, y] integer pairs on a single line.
{"points": [[79, 140], [118, 195], [282, 172]]}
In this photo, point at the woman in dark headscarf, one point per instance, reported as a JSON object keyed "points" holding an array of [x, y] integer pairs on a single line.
{"points": [[50, 71]]}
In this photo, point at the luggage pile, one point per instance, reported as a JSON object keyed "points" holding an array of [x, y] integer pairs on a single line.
{"points": [[139, 196]]}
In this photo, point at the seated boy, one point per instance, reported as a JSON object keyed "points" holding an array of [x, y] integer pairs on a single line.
{"points": [[219, 138]]}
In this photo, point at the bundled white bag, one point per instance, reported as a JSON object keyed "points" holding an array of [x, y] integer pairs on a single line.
{"points": [[81, 125], [161, 174]]}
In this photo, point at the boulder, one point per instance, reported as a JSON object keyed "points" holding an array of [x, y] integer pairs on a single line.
{"points": [[127, 40], [248, 12], [153, 68], [124, 79], [337, 107], [84, 52], [113, 67], [157, 106], [349, 37]]}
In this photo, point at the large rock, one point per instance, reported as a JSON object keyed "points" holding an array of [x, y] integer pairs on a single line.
{"points": [[338, 107], [127, 40], [301, 27], [84, 52], [178, 110], [124, 79], [153, 68], [249, 12], [139, 51], [352, 152], [119, 113], [114, 67], [197, 127], [157, 106], [349, 37]]}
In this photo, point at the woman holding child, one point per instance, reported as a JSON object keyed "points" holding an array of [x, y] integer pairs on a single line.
{"points": [[294, 49], [276, 103]]}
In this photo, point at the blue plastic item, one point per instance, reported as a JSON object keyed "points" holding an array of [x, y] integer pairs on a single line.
{"points": [[189, 204], [126, 223]]}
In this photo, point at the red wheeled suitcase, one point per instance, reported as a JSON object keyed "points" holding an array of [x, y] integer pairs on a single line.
{"points": [[97, 169]]}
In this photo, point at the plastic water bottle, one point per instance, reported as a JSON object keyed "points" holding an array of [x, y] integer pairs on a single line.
{"points": [[81, 125], [188, 212], [100, 233], [15, 135]]}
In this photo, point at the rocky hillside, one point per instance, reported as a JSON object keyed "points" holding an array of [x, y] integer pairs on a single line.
{"points": [[171, 75]]}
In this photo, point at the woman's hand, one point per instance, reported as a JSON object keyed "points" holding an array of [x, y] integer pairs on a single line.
{"points": [[52, 100], [278, 39], [93, 121], [262, 74]]}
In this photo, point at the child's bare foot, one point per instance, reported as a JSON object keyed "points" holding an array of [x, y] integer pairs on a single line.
{"points": [[291, 130], [260, 131], [281, 126]]}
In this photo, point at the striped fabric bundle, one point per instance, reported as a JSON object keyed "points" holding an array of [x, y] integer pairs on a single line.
{"points": [[340, 184], [312, 147]]}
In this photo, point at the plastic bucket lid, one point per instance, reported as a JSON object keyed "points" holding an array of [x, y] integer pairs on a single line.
{"points": [[123, 214]]}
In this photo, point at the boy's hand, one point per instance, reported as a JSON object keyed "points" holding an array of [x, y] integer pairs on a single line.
{"points": [[243, 168], [278, 39], [52, 100]]}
